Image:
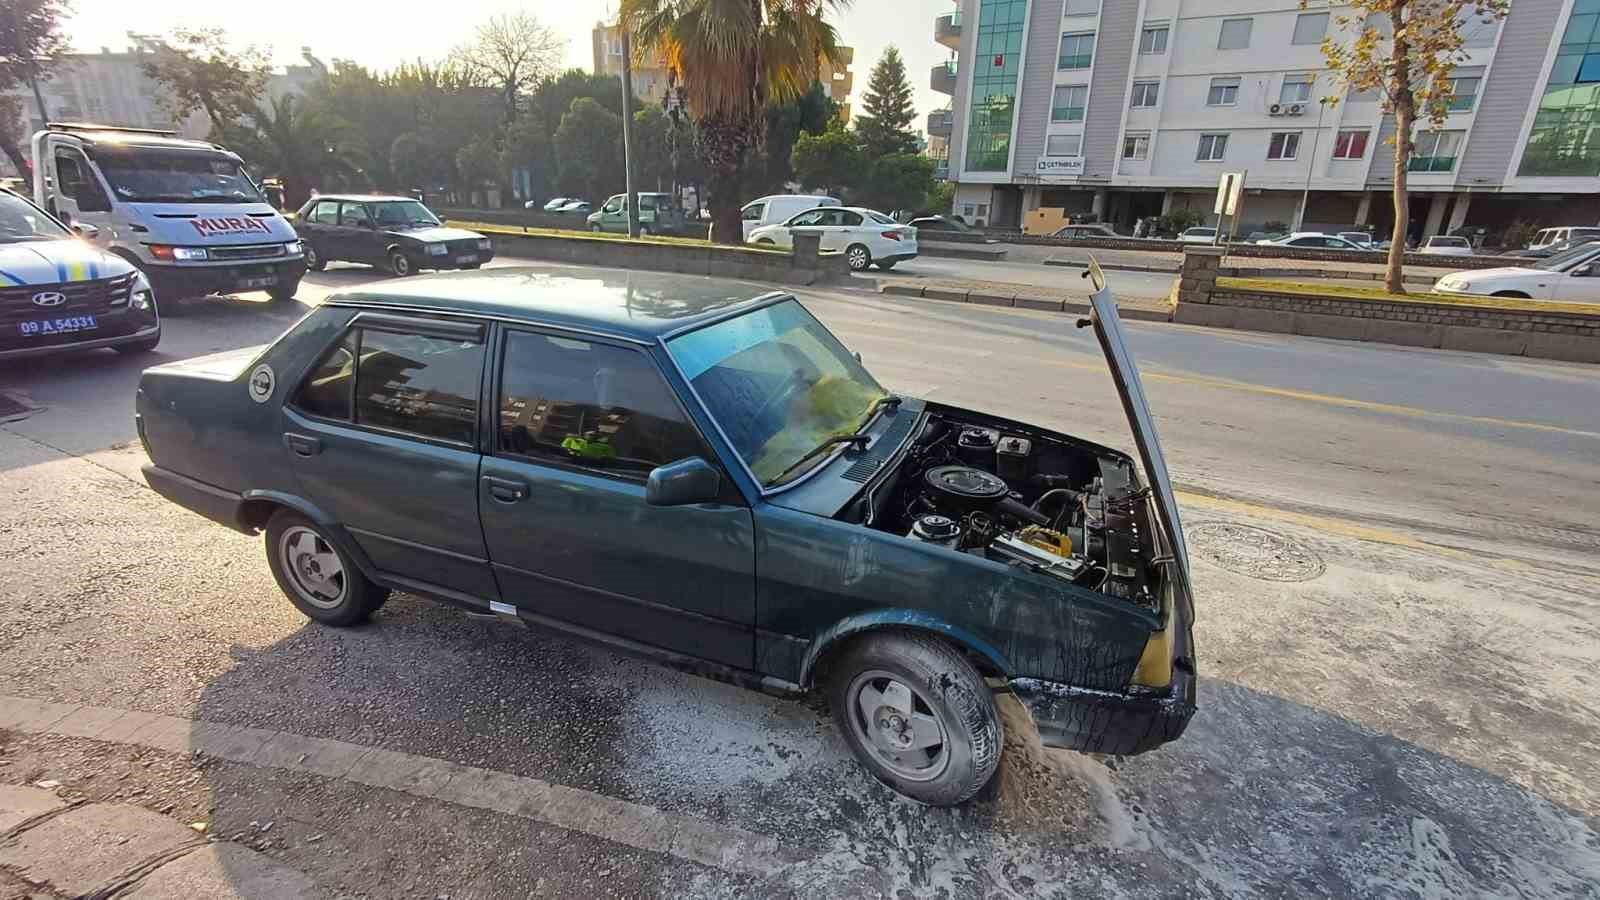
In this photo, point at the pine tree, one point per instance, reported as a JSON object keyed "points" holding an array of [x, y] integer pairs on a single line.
{"points": [[885, 122]]}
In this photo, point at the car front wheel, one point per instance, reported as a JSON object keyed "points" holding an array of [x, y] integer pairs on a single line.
{"points": [[918, 715], [283, 292], [399, 264], [314, 260], [315, 574], [859, 257]]}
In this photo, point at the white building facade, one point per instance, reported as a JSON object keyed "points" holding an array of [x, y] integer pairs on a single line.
{"points": [[1122, 109]]}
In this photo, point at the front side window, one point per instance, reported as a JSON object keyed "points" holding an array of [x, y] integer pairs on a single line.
{"points": [[1069, 103], [1235, 34], [813, 217], [1295, 89], [778, 384], [412, 383], [1309, 28], [1350, 143], [1136, 146], [1436, 151], [1212, 147], [1224, 91], [150, 175], [403, 214], [752, 213], [590, 405], [354, 215], [1145, 94], [1153, 39], [22, 221], [1283, 145], [1064, 145], [1077, 50]]}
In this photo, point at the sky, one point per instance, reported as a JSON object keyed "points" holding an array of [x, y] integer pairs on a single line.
{"points": [[378, 35]]}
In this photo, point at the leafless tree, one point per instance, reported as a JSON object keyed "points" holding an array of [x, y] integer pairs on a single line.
{"points": [[513, 53]]}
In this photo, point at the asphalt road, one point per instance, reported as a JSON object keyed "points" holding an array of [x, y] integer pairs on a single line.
{"points": [[1399, 628]]}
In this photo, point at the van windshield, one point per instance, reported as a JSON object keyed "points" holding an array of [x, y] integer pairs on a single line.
{"points": [[22, 221], [159, 175]]}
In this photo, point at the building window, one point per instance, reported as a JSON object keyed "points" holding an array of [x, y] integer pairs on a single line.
{"points": [[1309, 28], [1212, 148], [1295, 89], [1136, 145], [1082, 7], [1145, 94], [1284, 145], [1069, 103], [1224, 91], [1064, 145], [1464, 90], [1436, 151], [998, 46], [1563, 142], [1077, 50], [1153, 39], [1350, 143], [1235, 34]]}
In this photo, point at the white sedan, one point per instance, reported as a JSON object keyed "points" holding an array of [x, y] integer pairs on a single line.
{"points": [[1315, 240], [1441, 245], [864, 236], [1573, 276]]}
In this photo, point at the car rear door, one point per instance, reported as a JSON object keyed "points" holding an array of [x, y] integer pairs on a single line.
{"points": [[319, 226], [382, 435], [580, 424], [355, 238]]}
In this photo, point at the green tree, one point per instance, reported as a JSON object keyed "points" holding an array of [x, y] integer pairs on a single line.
{"points": [[1407, 50], [415, 162], [31, 41], [199, 71], [477, 166], [899, 181], [887, 109], [553, 97], [810, 113], [832, 161], [732, 58], [652, 149], [513, 53], [589, 151], [528, 145], [303, 146]]}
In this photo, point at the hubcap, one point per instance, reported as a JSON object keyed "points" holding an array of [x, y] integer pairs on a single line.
{"points": [[401, 265], [311, 257], [899, 726], [313, 567], [858, 258]]}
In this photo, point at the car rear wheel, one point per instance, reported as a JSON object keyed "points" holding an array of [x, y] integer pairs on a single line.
{"points": [[314, 260], [315, 574], [766, 242], [859, 257], [399, 264], [918, 715]]}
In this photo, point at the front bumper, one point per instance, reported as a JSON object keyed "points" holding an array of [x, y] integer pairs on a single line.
{"points": [[14, 349], [422, 259], [179, 282], [1092, 721]]}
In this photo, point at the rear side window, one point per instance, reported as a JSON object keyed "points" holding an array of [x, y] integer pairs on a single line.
{"points": [[412, 383], [354, 214], [589, 405], [325, 212]]}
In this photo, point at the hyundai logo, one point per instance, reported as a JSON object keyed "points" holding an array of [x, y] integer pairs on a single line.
{"points": [[49, 298]]}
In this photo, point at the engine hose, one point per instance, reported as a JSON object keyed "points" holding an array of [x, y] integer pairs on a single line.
{"points": [[1017, 510]]}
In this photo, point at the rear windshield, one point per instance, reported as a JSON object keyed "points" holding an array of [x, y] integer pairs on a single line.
{"points": [[161, 175]]}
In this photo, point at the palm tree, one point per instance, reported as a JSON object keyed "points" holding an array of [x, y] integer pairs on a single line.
{"points": [[302, 145], [733, 57]]}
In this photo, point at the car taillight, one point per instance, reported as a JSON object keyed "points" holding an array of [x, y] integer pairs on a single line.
{"points": [[893, 235]]}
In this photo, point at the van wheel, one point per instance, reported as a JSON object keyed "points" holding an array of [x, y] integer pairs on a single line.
{"points": [[859, 257], [281, 293], [917, 715], [399, 264], [315, 575]]}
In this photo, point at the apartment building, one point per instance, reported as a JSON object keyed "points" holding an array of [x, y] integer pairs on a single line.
{"points": [[650, 81], [1121, 109]]}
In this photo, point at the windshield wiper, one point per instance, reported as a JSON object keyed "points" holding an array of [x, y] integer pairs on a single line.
{"points": [[860, 440]]}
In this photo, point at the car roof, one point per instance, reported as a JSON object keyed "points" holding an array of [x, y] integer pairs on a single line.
{"points": [[642, 306], [362, 198]]}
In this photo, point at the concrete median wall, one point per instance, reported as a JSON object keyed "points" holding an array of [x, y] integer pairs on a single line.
{"points": [[1520, 328], [805, 266]]}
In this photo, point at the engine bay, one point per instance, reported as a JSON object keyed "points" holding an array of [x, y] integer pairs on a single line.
{"points": [[1024, 498]]}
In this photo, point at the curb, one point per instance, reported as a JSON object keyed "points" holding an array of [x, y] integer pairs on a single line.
{"points": [[1021, 301], [1119, 267]]}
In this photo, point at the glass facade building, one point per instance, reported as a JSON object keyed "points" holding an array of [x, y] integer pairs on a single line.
{"points": [[996, 65], [1565, 140]]}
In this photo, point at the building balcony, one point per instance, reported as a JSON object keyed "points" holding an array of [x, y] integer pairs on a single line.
{"points": [[944, 78], [941, 170], [941, 122], [947, 30]]}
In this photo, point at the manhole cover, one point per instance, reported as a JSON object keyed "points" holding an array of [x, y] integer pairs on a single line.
{"points": [[1254, 552]]}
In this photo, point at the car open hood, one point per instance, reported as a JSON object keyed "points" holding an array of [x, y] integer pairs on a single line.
{"points": [[211, 224], [1108, 327], [435, 234], [54, 262]]}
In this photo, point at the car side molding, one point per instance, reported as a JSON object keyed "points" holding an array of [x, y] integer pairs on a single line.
{"points": [[837, 634]]}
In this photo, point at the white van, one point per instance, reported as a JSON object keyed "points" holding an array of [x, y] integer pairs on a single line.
{"points": [[1550, 237], [183, 212], [779, 208]]}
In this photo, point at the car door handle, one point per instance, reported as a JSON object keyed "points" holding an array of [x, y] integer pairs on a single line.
{"points": [[302, 445], [506, 490]]}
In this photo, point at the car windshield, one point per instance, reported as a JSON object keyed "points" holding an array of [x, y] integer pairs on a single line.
{"points": [[21, 221], [402, 213], [778, 384], [146, 175], [1563, 261]]}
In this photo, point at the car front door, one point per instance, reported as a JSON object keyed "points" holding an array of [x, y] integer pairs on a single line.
{"points": [[79, 197], [320, 227], [355, 238], [581, 422], [1579, 284], [614, 215], [382, 436]]}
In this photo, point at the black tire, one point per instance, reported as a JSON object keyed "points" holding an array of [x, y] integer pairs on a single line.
{"points": [[284, 292], [766, 242], [400, 264], [314, 260], [887, 264], [1518, 295], [471, 265], [297, 552], [943, 686], [137, 347], [596, 229], [859, 257]]}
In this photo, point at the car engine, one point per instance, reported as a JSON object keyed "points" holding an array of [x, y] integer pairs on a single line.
{"points": [[1027, 500]]}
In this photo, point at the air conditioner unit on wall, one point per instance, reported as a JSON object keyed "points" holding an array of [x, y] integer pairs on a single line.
{"points": [[1275, 109], [1295, 109]]}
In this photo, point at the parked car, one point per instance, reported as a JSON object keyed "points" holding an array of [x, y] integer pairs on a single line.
{"points": [[1550, 237], [658, 214], [1444, 245], [574, 208], [1361, 239], [779, 208], [1086, 231], [554, 204], [864, 236], [1315, 240], [1198, 235], [397, 233], [60, 292], [932, 225], [1573, 276], [1550, 250], [714, 482]]}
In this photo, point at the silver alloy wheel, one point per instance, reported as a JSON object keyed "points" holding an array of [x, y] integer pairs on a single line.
{"points": [[313, 566], [859, 258], [400, 264], [899, 725]]}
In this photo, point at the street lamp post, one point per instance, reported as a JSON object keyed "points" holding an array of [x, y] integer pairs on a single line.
{"points": [[1311, 165], [624, 26]]}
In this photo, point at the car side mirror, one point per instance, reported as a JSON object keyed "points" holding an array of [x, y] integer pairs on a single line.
{"points": [[683, 483], [86, 231]]}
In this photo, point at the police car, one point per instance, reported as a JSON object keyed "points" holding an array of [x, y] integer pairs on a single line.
{"points": [[59, 292]]}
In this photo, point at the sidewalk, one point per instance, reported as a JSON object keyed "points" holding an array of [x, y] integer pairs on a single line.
{"points": [[54, 848]]}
